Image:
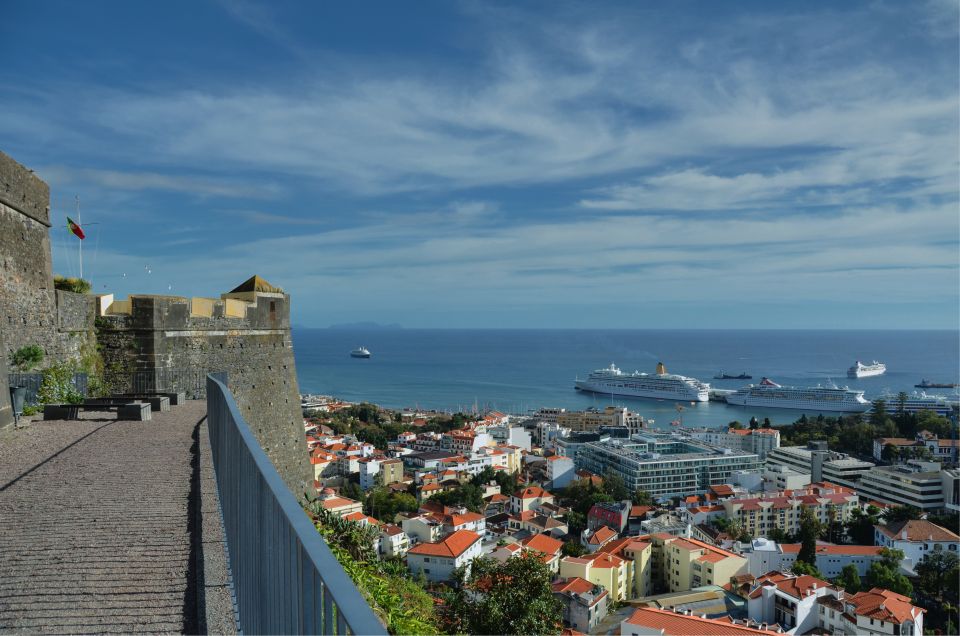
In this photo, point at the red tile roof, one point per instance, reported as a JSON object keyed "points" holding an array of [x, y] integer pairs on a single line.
{"points": [[543, 543], [672, 624], [575, 584], [337, 502], [531, 492], [796, 586], [884, 605], [918, 530], [603, 560], [601, 535], [453, 546]]}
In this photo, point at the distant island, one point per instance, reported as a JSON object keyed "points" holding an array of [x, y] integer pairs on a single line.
{"points": [[366, 326]]}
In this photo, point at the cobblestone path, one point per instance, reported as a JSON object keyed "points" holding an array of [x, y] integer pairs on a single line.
{"points": [[95, 530]]}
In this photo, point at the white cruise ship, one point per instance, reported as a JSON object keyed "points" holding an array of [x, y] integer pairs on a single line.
{"points": [[815, 399], [939, 404], [861, 370], [660, 385]]}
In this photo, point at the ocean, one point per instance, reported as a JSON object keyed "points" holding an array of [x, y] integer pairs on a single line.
{"points": [[519, 370]]}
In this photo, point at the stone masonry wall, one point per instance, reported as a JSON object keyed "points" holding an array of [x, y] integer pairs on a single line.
{"points": [[161, 340], [31, 311]]}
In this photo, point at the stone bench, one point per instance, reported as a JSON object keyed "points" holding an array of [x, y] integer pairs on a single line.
{"points": [[157, 402], [176, 397], [135, 411]]}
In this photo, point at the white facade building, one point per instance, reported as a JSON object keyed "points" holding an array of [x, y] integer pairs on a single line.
{"points": [[918, 484], [437, 561], [560, 471], [916, 538]]}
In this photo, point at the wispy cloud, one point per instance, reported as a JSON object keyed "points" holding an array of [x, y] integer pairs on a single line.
{"points": [[769, 155], [157, 181]]}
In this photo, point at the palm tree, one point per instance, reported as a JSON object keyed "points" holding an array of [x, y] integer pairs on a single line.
{"points": [[901, 403]]}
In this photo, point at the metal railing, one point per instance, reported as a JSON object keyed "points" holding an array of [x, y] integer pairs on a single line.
{"points": [[191, 381], [285, 578], [32, 382]]}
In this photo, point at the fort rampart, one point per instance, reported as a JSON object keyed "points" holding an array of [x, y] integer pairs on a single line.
{"points": [[148, 343]]}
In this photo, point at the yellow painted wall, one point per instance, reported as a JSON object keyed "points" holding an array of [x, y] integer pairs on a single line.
{"points": [[202, 307], [236, 308]]}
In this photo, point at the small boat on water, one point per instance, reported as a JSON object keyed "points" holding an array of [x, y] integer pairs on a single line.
{"points": [[727, 376], [927, 384], [360, 352]]}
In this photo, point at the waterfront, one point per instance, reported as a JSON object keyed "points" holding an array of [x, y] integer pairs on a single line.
{"points": [[518, 370]]}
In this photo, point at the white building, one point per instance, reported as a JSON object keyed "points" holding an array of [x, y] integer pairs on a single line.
{"points": [[918, 484], [821, 464], [758, 441], [422, 529], [529, 498], [369, 469], [513, 435], [437, 561], [778, 477], [877, 611], [788, 600], [560, 471], [916, 538], [394, 542], [766, 555]]}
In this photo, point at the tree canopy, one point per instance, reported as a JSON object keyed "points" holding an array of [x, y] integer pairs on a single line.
{"points": [[513, 597]]}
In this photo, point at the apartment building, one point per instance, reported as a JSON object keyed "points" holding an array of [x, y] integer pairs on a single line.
{"points": [[560, 471], [584, 603], [757, 441], [529, 498], [592, 420], [607, 570], [821, 464], [918, 484], [665, 465], [759, 515], [394, 542], [691, 563]]}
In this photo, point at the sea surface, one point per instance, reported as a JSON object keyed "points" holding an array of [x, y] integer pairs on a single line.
{"points": [[521, 370]]}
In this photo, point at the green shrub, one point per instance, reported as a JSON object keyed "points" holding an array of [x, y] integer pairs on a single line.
{"points": [[30, 409], [75, 285], [395, 597], [27, 358], [57, 386]]}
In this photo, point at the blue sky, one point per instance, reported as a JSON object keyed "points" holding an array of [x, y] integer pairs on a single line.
{"points": [[467, 164]]}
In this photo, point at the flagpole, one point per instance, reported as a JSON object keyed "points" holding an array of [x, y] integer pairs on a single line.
{"points": [[80, 223]]}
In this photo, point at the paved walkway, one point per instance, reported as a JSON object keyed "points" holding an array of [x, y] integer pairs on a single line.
{"points": [[96, 533]]}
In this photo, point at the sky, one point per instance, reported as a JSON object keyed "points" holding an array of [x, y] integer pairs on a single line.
{"points": [[483, 164]]}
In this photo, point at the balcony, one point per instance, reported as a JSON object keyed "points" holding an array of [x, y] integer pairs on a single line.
{"points": [[177, 524]]}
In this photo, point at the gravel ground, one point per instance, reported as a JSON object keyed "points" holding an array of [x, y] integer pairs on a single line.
{"points": [[94, 519]]}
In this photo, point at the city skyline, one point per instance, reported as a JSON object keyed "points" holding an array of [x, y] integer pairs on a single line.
{"points": [[473, 165]]}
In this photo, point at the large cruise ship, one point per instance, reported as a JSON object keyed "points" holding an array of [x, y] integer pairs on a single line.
{"points": [[939, 404], [816, 399], [861, 370], [660, 385]]}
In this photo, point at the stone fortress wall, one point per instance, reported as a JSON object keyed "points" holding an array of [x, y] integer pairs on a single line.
{"points": [[149, 342], [31, 310], [170, 343]]}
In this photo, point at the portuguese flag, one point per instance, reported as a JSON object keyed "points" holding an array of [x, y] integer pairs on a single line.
{"points": [[76, 229]]}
